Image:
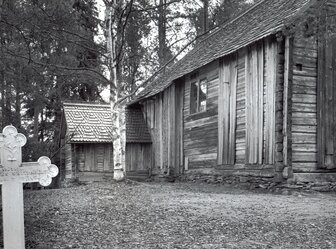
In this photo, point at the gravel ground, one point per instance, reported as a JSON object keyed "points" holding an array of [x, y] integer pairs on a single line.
{"points": [[177, 215]]}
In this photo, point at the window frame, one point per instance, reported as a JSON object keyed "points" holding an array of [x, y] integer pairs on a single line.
{"points": [[198, 81]]}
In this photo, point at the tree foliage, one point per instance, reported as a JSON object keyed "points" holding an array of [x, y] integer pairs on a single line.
{"points": [[48, 55]]}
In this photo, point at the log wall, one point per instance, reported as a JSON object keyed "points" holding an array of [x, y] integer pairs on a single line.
{"points": [[242, 92], [304, 104], [279, 110], [201, 129], [264, 107]]}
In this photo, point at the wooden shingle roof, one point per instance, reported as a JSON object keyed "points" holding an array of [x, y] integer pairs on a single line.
{"points": [[88, 122], [136, 127], [263, 19]]}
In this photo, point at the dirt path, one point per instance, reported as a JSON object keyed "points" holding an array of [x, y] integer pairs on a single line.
{"points": [[179, 215]]}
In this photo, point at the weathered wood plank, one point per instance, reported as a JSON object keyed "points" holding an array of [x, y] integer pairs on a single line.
{"points": [[329, 100], [202, 157], [254, 104], [289, 97], [260, 106], [270, 78], [200, 120], [303, 89], [304, 128], [304, 98], [232, 113], [310, 115], [320, 94], [301, 138], [304, 147], [304, 107], [305, 80], [298, 156], [303, 121]]}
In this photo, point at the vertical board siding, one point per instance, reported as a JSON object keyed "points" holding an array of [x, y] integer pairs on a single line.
{"points": [[241, 109], [260, 105], [201, 129], [254, 104], [233, 110], [81, 158], [223, 111], [152, 111], [178, 154], [164, 119], [287, 102], [270, 77], [326, 91], [138, 157], [94, 157], [227, 96], [257, 79], [165, 137], [155, 129], [100, 154], [304, 102]]}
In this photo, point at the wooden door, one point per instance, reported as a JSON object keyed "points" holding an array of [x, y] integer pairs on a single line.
{"points": [[94, 157]]}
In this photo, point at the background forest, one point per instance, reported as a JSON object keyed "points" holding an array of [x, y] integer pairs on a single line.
{"points": [[53, 51]]}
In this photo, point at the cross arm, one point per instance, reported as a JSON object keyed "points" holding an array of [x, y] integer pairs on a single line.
{"points": [[41, 171]]}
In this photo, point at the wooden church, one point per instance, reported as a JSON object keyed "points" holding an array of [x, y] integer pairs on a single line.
{"points": [[256, 97]]}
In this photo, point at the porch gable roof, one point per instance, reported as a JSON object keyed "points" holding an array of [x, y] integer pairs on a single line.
{"points": [[88, 122]]}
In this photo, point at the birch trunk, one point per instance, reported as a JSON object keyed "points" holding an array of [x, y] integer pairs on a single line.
{"points": [[117, 110]]}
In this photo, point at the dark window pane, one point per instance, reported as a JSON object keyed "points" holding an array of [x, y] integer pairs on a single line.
{"points": [[193, 97]]}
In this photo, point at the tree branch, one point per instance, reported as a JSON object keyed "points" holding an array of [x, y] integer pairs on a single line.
{"points": [[29, 60], [160, 69], [157, 6]]}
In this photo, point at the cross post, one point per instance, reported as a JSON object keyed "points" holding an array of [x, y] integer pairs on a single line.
{"points": [[13, 173]]}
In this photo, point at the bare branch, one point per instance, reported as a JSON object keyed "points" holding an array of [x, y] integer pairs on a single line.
{"points": [[29, 60], [123, 31], [122, 99], [158, 6]]}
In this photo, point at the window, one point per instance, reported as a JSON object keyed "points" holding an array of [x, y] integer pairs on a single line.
{"points": [[298, 67], [198, 96]]}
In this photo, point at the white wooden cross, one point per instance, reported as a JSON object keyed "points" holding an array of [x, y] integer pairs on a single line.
{"points": [[12, 174]]}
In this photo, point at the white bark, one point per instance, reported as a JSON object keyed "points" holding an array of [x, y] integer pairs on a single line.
{"points": [[118, 120]]}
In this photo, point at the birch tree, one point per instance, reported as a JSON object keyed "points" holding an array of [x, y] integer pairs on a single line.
{"points": [[117, 109]]}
